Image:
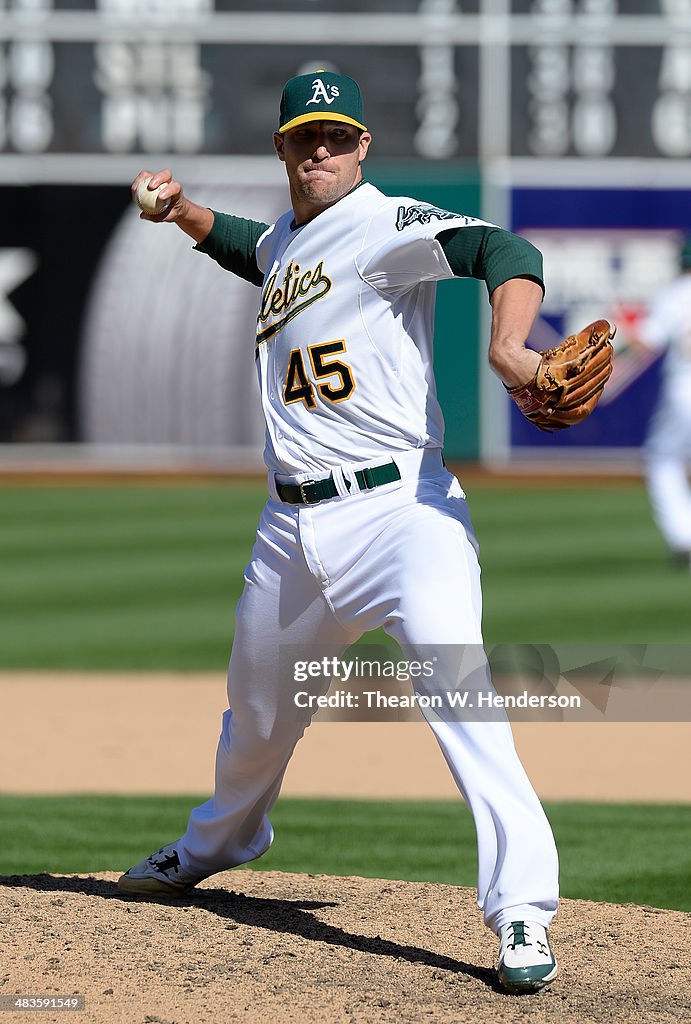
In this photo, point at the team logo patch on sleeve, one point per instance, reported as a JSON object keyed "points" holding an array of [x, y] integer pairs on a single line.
{"points": [[420, 214]]}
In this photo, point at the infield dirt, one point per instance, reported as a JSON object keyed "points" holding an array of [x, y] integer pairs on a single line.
{"points": [[265, 946], [156, 732], [258, 947]]}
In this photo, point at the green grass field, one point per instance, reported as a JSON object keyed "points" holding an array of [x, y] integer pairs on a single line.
{"points": [[609, 853], [147, 576]]}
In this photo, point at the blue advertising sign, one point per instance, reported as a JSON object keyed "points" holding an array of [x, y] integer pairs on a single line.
{"points": [[606, 251]]}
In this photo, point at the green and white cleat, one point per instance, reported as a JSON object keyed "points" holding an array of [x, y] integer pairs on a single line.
{"points": [[526, 960]]}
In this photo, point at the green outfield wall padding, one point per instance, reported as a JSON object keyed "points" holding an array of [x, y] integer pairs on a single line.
{"points": [[457, 342]]}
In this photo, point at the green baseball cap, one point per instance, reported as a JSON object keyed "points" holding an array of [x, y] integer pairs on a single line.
{"points": [[321, 96]]}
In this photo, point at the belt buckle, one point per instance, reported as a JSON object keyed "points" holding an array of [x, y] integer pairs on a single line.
{"points": [[305, 499]]}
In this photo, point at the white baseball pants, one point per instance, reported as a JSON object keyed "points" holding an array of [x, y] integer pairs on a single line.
{"points": [[667, 454], [402, 556]]}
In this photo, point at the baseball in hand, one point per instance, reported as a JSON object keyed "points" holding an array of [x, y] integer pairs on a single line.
{"points": [[147, 199]]}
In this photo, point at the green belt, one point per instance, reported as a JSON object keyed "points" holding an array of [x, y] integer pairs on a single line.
{"points": [[311, 491]]}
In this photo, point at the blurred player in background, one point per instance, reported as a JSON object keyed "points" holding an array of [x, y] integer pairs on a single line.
{"points": [[667, 449]]}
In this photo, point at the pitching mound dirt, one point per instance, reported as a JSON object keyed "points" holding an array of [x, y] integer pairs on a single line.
{"points": [[262, 947]]}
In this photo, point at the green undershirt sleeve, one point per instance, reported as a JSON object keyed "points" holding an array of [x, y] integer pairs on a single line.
{"points": [[232, 242], [491, 254]]}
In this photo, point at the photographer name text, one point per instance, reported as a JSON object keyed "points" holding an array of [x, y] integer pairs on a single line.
{"points": [[447, 699]]}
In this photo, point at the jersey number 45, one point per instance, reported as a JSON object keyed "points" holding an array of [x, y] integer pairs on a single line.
{"points": [[299, 388]]}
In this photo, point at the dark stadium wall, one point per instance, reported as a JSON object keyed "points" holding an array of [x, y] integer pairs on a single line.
{"points": [[116, 333]]}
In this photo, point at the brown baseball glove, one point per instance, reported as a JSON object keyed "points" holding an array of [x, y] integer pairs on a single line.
{"points": [[569, 380]]}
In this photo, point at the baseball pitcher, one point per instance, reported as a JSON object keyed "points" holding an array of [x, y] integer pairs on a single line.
{"points": [[364, 526]]}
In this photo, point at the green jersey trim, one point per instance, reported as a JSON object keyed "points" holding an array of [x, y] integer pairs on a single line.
{"points": [[232, 243], [491, 254]]}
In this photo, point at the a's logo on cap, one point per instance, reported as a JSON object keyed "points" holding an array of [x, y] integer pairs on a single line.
{"points": [[320, 92]]}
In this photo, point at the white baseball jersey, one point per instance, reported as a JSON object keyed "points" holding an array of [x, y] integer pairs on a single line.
{"points": [[668, 325], [668, 443], [345, 331]]}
